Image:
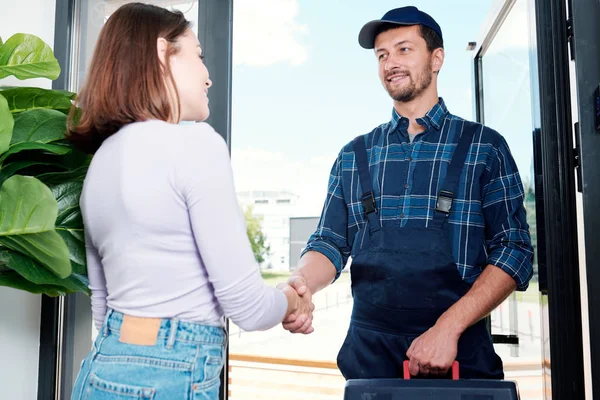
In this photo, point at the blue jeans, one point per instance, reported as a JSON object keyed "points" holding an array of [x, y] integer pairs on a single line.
{"points": [[185, 363]]}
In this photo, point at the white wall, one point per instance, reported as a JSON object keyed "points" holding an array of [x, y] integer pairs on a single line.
{"points": [[19, 311], [28, 16], [19, 344]]}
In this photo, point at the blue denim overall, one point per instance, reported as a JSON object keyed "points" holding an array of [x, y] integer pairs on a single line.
{"points": [[403, 279]]}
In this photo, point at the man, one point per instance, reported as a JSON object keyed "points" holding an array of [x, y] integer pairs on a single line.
{"points": [[430, 207]]}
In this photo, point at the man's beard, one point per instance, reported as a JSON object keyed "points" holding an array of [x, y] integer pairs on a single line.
{"points": [[413, 89]]}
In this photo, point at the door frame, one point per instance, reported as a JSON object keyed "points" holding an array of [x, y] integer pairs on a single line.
{"points": [[215, 34], [586, 51], [556, 213]]}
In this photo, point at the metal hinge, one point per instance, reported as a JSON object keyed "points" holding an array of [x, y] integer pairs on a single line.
{"points": [[505, 339], [571, 38], [577, 158]]}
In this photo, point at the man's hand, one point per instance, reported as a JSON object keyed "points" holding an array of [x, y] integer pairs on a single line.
{"points": [[433, 352], [301, 320]]}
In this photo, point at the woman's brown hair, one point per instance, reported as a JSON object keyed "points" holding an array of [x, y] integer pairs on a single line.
{"points": [[126, 81]]}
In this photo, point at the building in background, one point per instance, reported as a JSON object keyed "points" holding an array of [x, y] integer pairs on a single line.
{"points": [[275, 209], [287, 233], [300, 230]]}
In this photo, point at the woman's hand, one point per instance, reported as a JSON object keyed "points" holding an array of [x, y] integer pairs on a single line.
{"points": [[300, 308]]}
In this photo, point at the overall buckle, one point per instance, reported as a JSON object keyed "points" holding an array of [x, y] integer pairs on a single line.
{"points": [[368, 202], [444, 201]]}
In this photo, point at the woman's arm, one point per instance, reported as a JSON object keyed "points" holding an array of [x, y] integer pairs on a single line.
{"points": [[220, 232]]}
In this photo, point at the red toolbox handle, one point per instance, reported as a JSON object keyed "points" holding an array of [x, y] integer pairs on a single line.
{"points": [[454, 370]]}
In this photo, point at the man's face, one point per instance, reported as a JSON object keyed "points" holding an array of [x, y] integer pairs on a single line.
{"points": [[405, 64]]}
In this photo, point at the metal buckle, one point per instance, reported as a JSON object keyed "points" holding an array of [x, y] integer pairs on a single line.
{"points": [[368, 202], [444, 201]]}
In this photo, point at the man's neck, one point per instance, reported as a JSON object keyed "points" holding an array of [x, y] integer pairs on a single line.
{"points": [[416, 108]]}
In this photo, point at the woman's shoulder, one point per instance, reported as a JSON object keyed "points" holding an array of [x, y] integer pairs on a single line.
{"points": [[201, 139], [196, 138]]}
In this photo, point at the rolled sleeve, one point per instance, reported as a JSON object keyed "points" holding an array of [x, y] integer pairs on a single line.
{"points": [[512, 253], [507, 232], [330, 237]]}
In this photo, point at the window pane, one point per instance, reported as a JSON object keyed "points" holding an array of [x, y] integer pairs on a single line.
{"points": [[508, 109], [92, 16], [302, 89]]}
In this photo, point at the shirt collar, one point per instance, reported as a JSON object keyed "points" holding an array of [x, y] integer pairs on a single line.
{"points": [[434, 117]]}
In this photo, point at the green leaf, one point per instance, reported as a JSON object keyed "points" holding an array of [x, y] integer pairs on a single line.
{"points": [[47, 248], [79, 269], [75, 159], [12, 279], [70, 95], [39, 275], [40, 126], [69, 222], [31, 98], [55, 178], [1, 42], [50, 148], [27, 56], [26, 206], [6, 125], [74, 239], [67, 198], [12, 168], [82, 281]]}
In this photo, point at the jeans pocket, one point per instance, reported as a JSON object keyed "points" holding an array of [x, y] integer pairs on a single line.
{"points": [[100, 389], [204, 392], [212, 367], [208, 387], [210, 363]]}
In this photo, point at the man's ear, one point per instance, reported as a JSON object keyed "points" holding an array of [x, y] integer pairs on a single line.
{"points": [[161, 48], [437, 59]]}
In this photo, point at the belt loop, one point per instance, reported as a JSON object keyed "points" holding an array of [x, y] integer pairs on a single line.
{"points": [[106, 318], [225, 337], [172, 333]]}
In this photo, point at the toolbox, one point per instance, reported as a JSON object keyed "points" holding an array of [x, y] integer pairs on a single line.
{"points": [[430, 389]]}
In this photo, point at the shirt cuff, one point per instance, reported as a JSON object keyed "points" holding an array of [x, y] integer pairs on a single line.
{"points": [[516, 264], [328, 250]]}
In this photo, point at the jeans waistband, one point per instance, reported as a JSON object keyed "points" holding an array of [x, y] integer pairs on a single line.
{"points": [[173, 329]]}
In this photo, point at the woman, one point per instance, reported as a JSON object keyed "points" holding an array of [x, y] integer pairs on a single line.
{"points": [[167, 251]]}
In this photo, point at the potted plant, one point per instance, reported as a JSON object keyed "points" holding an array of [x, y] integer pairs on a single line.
{"points": [[42, 246]]}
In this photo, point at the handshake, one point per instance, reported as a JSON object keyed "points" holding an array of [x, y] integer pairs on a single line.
{"points": [[299, 315]]}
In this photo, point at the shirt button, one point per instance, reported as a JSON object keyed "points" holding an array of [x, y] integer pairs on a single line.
{"points": [[402, 215], [406, 186], [410, 159]]}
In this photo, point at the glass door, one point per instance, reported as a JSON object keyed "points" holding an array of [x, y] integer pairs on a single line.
{"points": [[521, 76], [505, 105], [302, 88]]}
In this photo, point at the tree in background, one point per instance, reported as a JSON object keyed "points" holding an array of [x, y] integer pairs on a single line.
{"points": [[258, 239]]}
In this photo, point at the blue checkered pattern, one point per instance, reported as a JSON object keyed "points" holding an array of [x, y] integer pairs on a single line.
{"points": [[487, 220]]}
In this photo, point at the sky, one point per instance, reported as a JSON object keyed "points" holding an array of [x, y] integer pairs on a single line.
{"points": [[303, 87]]}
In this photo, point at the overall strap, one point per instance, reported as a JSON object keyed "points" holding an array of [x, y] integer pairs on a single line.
{"points": [[368, 198], [450, 185]]}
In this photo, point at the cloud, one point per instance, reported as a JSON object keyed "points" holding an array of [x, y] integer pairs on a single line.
{"points": [[265, 32], [514, 32], [257, 169]]}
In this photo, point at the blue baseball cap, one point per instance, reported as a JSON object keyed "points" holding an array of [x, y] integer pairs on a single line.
{"points": [[399, 16]]}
